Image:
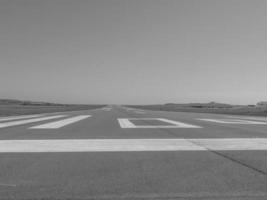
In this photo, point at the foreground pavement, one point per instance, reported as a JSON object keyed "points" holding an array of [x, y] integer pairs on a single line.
{"points": [[123, 153]]}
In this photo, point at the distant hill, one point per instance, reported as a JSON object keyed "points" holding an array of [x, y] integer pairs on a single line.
{"points": [[262, 103], [9, 101], [20, 102], [212, 107], [11, 107]]}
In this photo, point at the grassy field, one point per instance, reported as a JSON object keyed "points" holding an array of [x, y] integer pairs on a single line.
{"points": [[233, 110], [8, 110]]}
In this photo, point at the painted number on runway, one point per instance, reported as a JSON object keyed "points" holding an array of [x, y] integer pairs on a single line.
{"points": [[129, 123]]}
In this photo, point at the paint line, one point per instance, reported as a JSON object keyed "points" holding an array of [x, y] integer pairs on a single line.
{"points": [[139, 112], [61, 123], [21, 122], [128, 145], [179, 124], [249, 118], [124, 123], [128, 123], [229, 144], [106, 109], [233, 121], [18, 117], [97, 145]]}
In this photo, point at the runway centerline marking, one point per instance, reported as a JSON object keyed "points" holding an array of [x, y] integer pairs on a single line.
{"points": [[132, 145], [61, 123], [231, 121], [126, 123], [21, 122]]}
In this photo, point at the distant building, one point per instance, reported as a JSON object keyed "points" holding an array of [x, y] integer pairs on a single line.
{"points": [[262, 103], [251, 105]]}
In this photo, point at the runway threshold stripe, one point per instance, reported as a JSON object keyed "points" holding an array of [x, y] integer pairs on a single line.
{"points": [[132, 145], [21, 122], [249, 118], [127, 123], [234, 121], [17, 117], [61, 123]]}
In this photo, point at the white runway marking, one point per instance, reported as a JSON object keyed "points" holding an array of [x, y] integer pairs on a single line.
{"points": [[15, 123], [128, 145], [126, 123], [249, 118], [18, 117], [232, 121], [106, 109], [229, 144], [61, 123], [139, 112], [130, 109]]}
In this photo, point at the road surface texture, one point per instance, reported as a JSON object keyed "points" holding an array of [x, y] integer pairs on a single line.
{"points": [[119, 153]]}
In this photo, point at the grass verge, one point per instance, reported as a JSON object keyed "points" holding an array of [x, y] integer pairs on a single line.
{"points": [[234, 110], [10, 110]]}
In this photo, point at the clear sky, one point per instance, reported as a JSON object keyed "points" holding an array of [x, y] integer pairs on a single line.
{"points": [[133, 51]]}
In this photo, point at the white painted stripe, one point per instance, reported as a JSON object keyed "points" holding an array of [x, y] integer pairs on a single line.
{"points": [[179, 124], [126, 123], [250, 118], [18, 117], [227, 144], [106, 109], [61, 123], [127, 145], [232, 121], [15, 123], [139, 112], [113, 145]]}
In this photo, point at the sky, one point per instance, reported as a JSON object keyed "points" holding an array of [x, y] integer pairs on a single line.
{"points": [[134, 51]]}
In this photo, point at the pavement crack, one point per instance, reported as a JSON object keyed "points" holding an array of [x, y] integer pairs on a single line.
{"points": [[230, 158], [222, 155], [239, 162], [7, 185], [169, 132]]}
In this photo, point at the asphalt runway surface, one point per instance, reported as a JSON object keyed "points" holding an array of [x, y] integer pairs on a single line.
{"points": [[119, 153]]}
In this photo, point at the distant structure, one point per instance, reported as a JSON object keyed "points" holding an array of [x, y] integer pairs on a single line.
{"points": [[262, 103], [251, 105], [201, 105]]}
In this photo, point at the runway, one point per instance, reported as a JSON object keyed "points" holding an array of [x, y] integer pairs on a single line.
{"points": [[124, 153]]}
